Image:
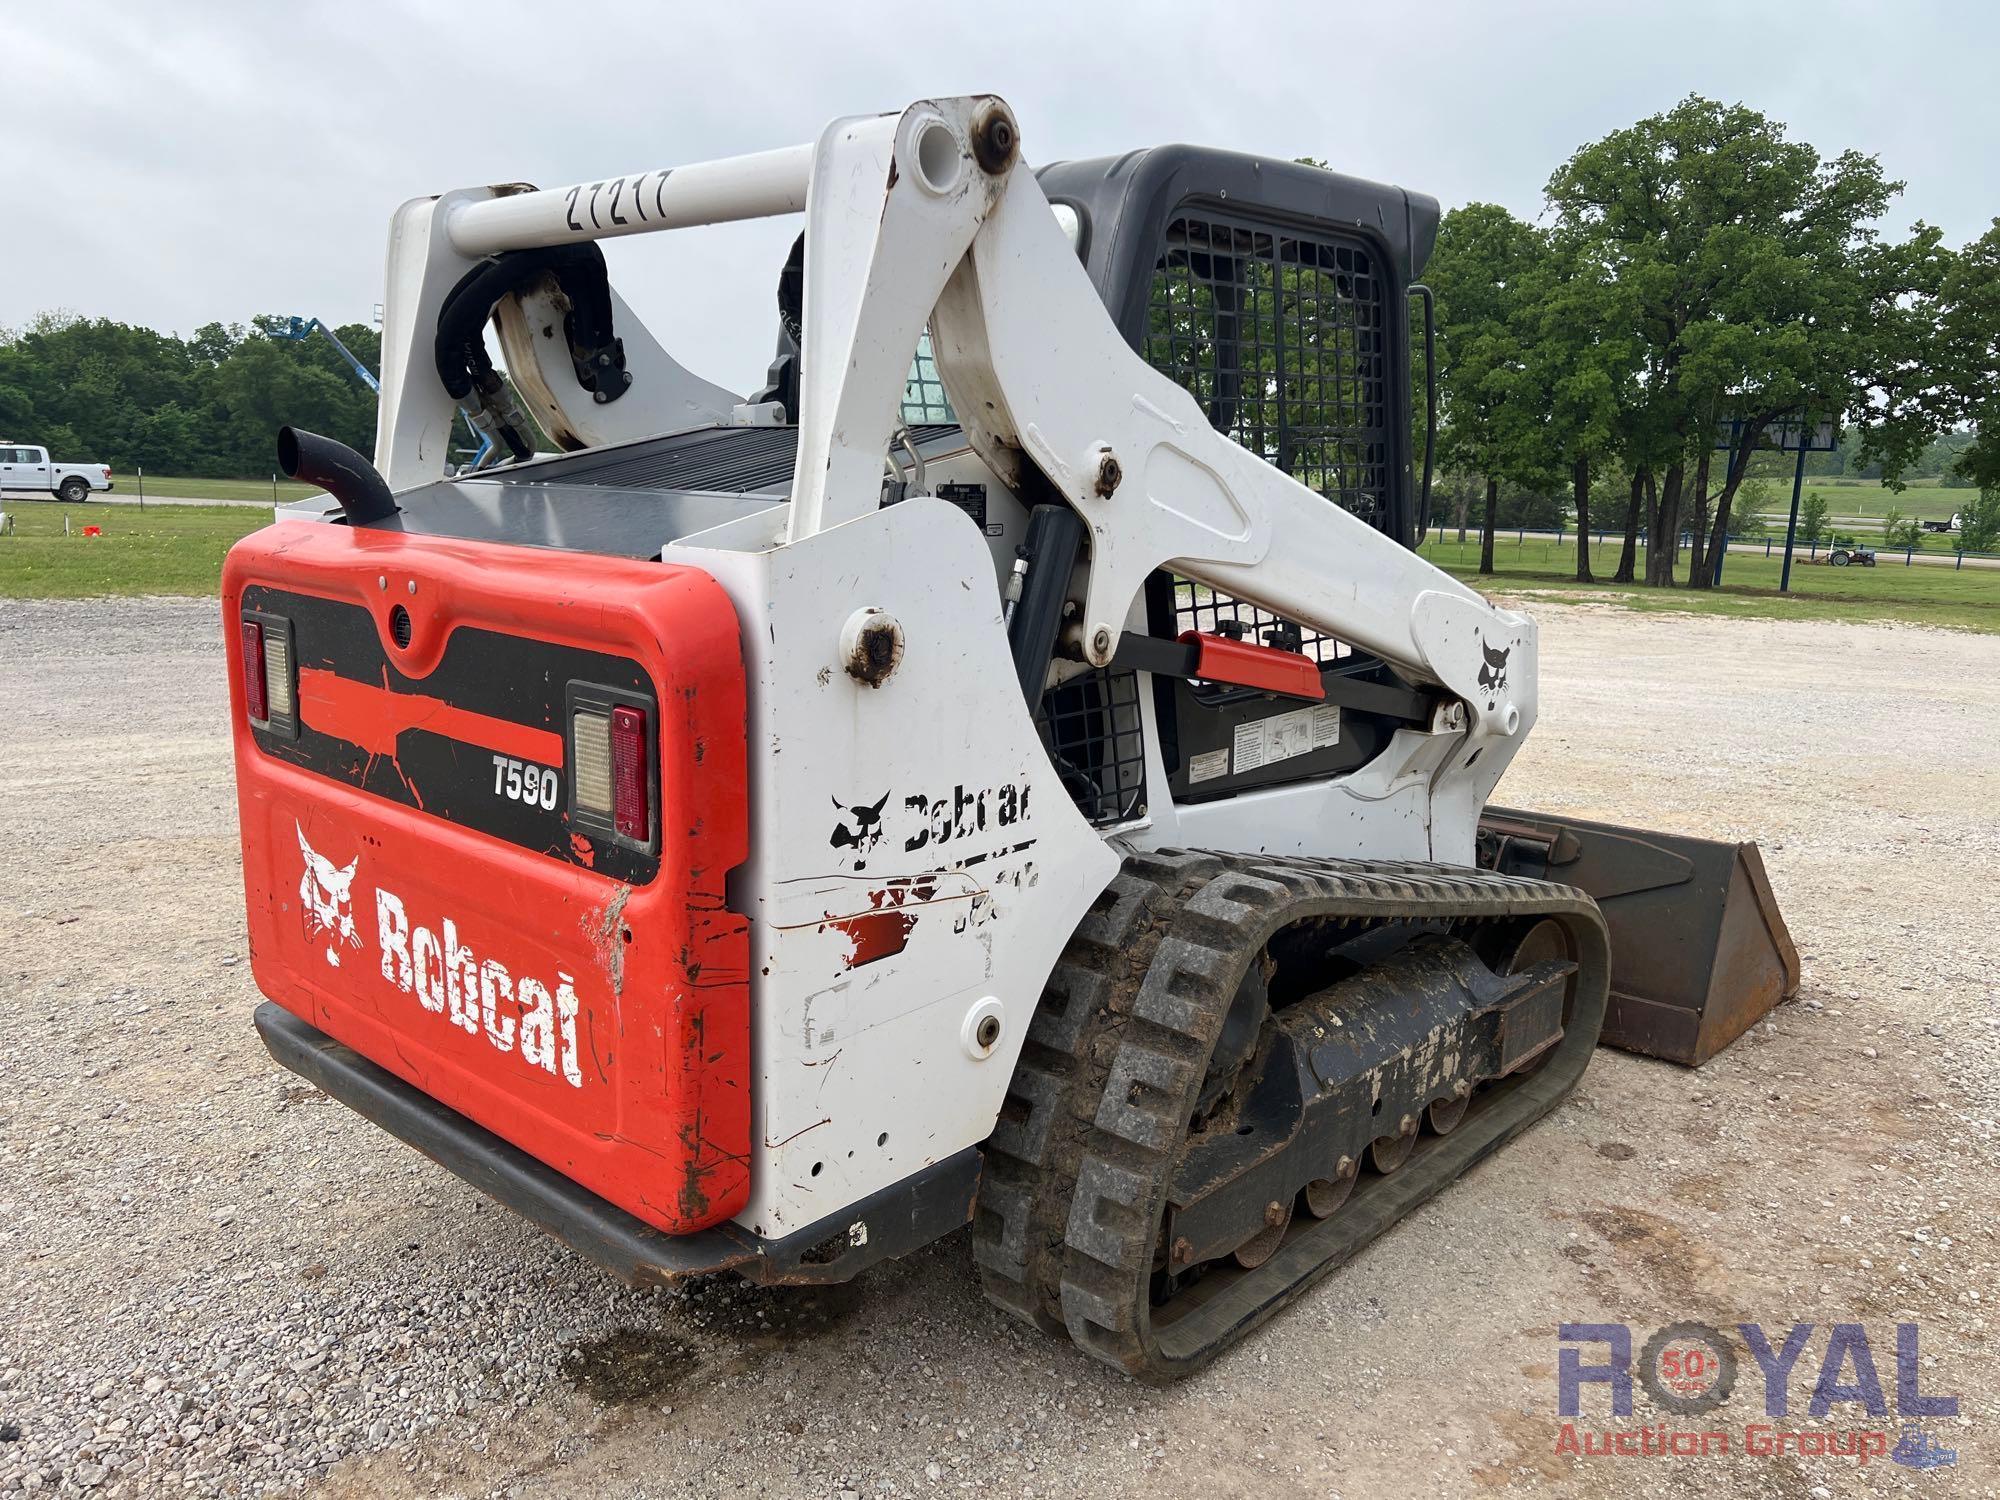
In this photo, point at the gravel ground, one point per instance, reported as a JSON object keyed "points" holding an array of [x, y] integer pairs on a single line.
{"points": [[218, 1282]]}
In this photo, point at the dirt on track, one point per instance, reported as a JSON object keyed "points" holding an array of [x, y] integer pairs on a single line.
{"points": [[216, 1281]]}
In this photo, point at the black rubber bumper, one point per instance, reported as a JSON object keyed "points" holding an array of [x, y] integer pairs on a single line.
{"points": [[894, 1221]]}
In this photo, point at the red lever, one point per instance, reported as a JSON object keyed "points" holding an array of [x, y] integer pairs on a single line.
{"points": [[1246, 664]]}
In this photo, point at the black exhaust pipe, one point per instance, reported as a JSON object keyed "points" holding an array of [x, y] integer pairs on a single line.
{"points": [[340, 471]]}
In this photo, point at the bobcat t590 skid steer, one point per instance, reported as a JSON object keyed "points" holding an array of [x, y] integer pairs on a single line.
{"points": [[1039, 786]]}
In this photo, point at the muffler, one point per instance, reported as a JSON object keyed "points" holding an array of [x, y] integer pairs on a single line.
{"points": [[344, 474], [1699, 950]]}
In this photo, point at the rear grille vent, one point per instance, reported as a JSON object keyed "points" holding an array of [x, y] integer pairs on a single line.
{"points": [[1090, 726]]}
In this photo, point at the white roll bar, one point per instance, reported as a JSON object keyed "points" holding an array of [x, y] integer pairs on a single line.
{"points": [[757, 186]]}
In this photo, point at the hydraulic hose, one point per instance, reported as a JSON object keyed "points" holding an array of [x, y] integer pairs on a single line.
{"points": [[459, 347]]}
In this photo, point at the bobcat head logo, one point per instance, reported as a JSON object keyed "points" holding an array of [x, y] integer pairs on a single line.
{"points": [[866, 830], [1493, 673], [326, 900]]}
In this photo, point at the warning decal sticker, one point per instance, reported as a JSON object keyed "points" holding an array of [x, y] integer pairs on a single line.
{"points": [[1263, 742]]}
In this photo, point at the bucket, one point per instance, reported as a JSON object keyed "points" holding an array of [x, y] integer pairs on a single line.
{"points": [[1699, 950]]}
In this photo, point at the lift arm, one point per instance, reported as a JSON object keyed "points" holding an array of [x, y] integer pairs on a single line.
{"points": [[930, 217]]}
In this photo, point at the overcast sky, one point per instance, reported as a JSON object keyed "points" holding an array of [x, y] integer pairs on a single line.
{"points": [[178, 163]]}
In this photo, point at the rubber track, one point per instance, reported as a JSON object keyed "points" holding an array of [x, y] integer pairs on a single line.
{"points": [[1077, 1170], [1032, 1158]]}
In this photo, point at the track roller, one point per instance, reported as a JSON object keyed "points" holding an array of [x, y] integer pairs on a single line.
{"points": [[1443, 1115], [1388, 1152], [1259, 1248], [1324, 1195]]}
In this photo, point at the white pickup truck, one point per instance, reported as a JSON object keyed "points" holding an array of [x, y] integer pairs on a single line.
{"points": [[23, 468]]}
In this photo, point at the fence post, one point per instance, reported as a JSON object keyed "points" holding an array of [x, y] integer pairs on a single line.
{"points": [[1959, 566], [1912, 552]]}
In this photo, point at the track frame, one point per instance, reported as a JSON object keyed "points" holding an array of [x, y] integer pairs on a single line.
{"points": [[1067, 1228]]}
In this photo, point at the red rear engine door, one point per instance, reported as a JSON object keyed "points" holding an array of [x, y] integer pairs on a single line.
{"points": [[489, 798]]}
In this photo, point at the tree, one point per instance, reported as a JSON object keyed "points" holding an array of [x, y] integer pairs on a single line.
{"points": [[1903, 533], [212, 404], [1583, 364], [1635, 512], [1979, 523], [1756, 284], [1486, 276], [1748, 521], [1812, 517], [1454, 493], [1967, 391]]}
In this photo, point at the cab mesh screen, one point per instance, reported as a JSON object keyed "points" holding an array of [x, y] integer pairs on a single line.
{"points": [[1281, 339]]}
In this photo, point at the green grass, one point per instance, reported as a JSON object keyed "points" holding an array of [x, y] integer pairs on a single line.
{"points": [[1869, 497], [179, 549], [175, 549], [212, 489], [1919, 595]]}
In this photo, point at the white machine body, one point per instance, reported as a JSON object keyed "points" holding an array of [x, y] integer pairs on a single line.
{"points": [[916, 862]]}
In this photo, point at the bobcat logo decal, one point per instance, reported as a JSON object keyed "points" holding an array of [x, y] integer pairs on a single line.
{"points": [[1493, 673], [326, 900], [866, 831]]}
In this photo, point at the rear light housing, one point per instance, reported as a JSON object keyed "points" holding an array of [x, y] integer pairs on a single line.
{"points": [[614, 780], [270, 682]]}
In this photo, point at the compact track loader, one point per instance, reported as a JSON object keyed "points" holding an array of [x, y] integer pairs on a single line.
{"points": [[1012, 769]]}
